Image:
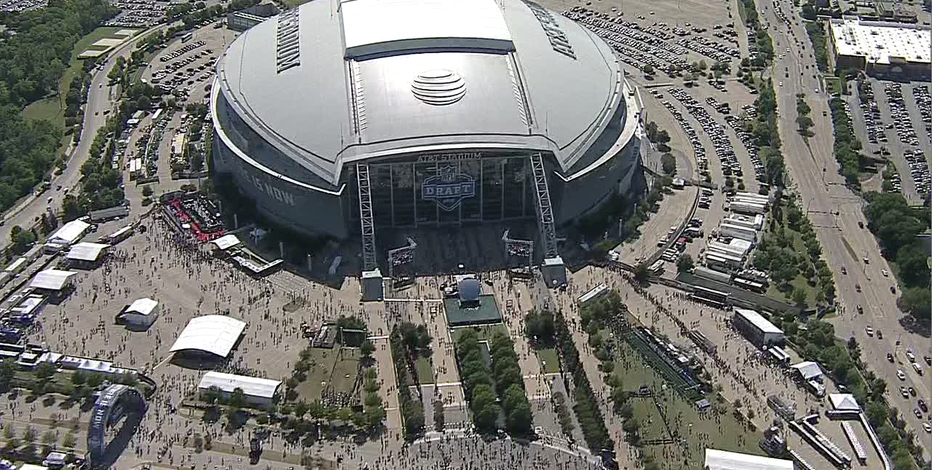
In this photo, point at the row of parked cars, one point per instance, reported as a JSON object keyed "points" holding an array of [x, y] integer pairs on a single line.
{"points": [[901, 119], [924, 102], [182, 50], [642, 47], [22, 5], [691, 134], [139, 13], [715, 132]]}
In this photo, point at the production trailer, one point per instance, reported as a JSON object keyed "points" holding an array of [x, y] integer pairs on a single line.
{"points": [[735, 231], [747, 207], [725, 248], [759, 197], [751, 200], [712, 274], [756, 221]]}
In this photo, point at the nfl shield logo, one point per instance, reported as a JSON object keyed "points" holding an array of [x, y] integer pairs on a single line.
{"points": [[448, 188]]}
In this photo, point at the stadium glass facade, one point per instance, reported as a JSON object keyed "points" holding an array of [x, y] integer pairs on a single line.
{"points": [[435, 191]]}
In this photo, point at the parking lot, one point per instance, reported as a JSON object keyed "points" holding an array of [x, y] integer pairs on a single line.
{"points": [[893, 121]]}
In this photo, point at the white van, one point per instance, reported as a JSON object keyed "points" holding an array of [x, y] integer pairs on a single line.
{"points": [[917, 368]]}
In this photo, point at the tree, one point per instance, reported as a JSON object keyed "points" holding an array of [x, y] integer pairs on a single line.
{"points": [[641, 273], [913, 268], [916, 301], [49, 438], [685, 263], [69, 441], [799, 296], [147, 190], [668, 163], [7, 373], [30, 435], [95, 380], [648, 69], [366, 349], [22, 239], [519, 419], [45, 371], [237, 398], [486, 418]]}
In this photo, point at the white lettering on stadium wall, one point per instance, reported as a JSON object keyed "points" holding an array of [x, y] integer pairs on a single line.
{"points": [[279, 195], [557, 37], [449, 157]]}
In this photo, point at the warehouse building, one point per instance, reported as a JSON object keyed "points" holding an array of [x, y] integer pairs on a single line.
{"points": [[756, 328], [881, 48]]}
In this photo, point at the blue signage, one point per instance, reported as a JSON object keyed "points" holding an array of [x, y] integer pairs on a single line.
{"points": [[448, 188]]}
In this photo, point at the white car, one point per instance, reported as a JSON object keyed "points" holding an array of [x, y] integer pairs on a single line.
{"points": [[927, 427], [900, 375], [884, 272], [910, 355]]}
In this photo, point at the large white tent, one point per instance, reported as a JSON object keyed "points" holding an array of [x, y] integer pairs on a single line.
{"points": [[258, 391], [723, 460], [69, 233], [215, 334], [86, 252], [51, 280]]}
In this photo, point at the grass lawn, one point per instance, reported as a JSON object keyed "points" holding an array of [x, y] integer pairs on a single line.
{"points": [[833, 85], [549, 361], [723, 432], [425, 373], [329, 366], [485, 331], [49, 108]]}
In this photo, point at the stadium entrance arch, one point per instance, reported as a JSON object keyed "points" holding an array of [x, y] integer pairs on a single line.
{"points": [[114, 403]]}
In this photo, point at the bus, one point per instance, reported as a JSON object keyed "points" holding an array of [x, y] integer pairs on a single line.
{"points": [[187, 37]]}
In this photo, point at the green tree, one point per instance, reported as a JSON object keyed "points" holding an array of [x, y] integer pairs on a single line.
{"points": [[648, 69], [917, 301], [799, 296], [22, 239], [45, 371], [237, 399], [685, 263], [7, 373], [668, 163], [366, 349]]}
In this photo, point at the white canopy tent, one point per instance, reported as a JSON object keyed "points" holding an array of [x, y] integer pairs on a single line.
{"points": [[69, 233], [215, 334], [723, 460], [86, 252], [256, 390], [52, 280]]}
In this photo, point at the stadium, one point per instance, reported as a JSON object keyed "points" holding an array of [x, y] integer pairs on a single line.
{"points": [[342, 118]]}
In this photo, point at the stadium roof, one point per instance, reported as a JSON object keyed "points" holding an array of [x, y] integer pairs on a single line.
{"points": [[392, 26], [252, 386], [880, 41], [143, 306], [89, 252], [723, 460], [215, 334], [758, 321], [70, 232], [557, 92], [51, 279], [808, 369], [226, 242], [844, 402]]}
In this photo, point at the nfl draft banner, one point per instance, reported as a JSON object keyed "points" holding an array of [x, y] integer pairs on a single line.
{"points": [[448, 188]]}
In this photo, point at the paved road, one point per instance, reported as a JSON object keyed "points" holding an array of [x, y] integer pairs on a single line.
{"points": [[100, 99], [835, 212]]}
